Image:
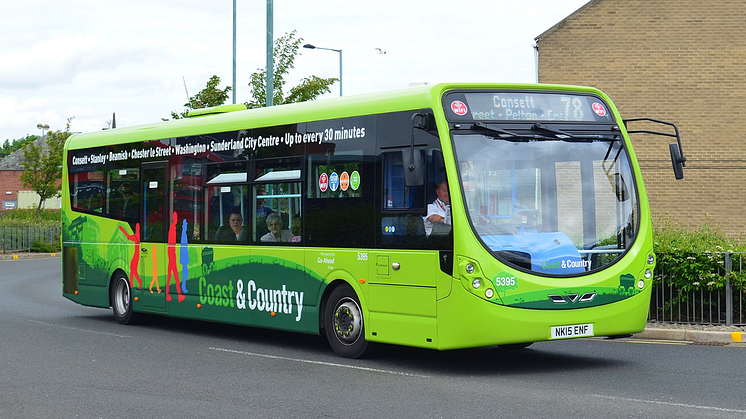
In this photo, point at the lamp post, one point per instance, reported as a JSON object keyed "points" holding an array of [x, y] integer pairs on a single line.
{"points": [[42, 127], [309, 46], [234, 52]]}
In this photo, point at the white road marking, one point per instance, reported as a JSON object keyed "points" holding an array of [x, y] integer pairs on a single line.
{"points": [[79, 329], [328, 364], [691, 406]]}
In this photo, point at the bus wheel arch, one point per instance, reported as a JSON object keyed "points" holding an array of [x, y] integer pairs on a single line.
{"points": [[342, 321], [120, 298]]}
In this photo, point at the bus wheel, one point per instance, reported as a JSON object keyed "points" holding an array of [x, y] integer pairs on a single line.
{"points": [[343, 320], [121, 300]]}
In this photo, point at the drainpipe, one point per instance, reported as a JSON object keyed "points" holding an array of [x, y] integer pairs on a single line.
{"points": [[536, 60]]}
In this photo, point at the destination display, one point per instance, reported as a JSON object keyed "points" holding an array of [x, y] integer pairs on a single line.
{"points": [[525, 106]]}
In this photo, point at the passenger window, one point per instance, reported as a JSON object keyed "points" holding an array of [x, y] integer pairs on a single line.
{"points": [[123, 194], [338, 176], [87, 191], [226, 198], [187, 196], [276, 203]]}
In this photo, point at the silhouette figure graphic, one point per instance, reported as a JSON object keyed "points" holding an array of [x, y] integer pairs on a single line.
{"points": [[134, 237], [172, 270]]}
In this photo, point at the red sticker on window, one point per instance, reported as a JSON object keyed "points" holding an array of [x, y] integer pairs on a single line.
{"points": [[323, 182], [458, 107], [599, 109]]}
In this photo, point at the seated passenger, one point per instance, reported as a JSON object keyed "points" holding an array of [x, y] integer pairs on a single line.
{"points": [[236, 223], [235, 232], [196, 233], [276, 233], [295, 229]]}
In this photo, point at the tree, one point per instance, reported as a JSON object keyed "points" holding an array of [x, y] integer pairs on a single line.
{"points": [[211, 95], [10, 146], [43, 164], [284, 53]]}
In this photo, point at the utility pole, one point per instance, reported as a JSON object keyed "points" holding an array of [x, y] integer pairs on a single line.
{"points": [[270, 55], [234, 52]]}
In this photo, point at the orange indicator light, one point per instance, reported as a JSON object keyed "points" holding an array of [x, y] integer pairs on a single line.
{"points": [[362, 281], [273, 314], [137, 298], [76, 292], [199, 305]]}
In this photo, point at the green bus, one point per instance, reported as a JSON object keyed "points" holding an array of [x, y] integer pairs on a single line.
{"points": [[443, 216]]}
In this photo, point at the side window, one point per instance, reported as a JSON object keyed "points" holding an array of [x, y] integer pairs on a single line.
{"points": [[226, 196], [339, 195], [398, 196], [155, 221], [123, 194], [278, 214], [276, 202], [336, 177], [402, 222], [187, 196], [87, 190]]}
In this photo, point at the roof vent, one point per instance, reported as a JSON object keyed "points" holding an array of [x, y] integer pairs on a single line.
{"points": [[216, 110]]}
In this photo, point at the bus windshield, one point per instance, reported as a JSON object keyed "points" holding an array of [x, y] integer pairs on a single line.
{"points": [[548, 203]]}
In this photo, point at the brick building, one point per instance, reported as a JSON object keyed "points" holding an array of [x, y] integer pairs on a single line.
{"points": [[10, 185], [14, 194], [679, 60]]}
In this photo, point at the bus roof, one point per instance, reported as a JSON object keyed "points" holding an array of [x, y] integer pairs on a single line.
{"points": [[427, 96]]}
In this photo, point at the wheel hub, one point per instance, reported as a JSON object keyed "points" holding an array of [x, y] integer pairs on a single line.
{"points": [[347, 322]]}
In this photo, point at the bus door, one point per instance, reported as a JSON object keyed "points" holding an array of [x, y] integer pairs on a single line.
{"points": [[402, 292], [155, 222]]}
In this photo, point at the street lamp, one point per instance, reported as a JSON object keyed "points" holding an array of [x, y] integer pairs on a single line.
{"points": [[309, 46], [42, 127]]}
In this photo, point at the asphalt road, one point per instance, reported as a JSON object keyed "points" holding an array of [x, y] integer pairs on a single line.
{"points": [[62, 360]]}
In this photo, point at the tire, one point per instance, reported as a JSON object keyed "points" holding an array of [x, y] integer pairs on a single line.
{"points": [[344, 325], [121, 300]]}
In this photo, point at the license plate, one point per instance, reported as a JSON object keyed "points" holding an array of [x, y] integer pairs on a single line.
{"points": [[572, 331]]}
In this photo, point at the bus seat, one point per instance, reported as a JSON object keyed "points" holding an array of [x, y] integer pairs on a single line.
{"points": [[225, 235], [260, 224]]}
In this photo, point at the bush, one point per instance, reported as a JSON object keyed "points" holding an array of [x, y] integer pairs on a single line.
{"points": [[28, 217], [694, 259], [42, 247]]}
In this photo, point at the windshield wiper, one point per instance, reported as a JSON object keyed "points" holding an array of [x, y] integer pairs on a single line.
{"points": [[498, 130], [556, 134], [555, 131]]}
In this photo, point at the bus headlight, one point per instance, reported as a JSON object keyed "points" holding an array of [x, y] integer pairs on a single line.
{"points": [[476, 283], [651, 259], [489, 293], [470, 269], [648, 274], [641, 284]]}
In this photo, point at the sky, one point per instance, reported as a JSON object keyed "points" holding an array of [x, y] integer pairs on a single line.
{"points": [[88, 59]]}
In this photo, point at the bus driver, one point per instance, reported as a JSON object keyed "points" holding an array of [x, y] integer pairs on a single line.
{"points": [[439, 210]]}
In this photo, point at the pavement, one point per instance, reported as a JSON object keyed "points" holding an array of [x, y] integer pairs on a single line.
{"points": [[26, 255], [701, 337], [680, 333]]}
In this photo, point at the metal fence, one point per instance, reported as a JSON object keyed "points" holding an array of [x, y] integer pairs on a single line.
{"points": [[702, 288], [23, 238]]}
